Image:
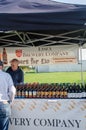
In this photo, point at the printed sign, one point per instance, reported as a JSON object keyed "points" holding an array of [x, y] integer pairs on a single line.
{"points": [[40, 55], [54, 114]]}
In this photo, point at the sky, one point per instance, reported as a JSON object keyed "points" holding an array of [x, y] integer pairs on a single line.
{"points": [[83, 2]]}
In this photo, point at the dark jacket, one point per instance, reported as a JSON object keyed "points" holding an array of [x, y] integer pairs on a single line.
{"points": [[17, 76]]}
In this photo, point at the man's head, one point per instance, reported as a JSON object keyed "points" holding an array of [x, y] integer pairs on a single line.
{"points": [[14, 64], [1, 65]]}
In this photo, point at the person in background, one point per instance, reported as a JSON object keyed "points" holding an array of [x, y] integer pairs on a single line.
{"points": [[7, 94], [16, 72]]}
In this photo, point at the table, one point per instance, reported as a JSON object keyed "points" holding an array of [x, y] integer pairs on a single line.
{"points": [[48, 114]]}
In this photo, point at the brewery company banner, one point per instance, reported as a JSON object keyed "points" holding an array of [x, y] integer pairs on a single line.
{"points": [[45, 114], [40, 55]]}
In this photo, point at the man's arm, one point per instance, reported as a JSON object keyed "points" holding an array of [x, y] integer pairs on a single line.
{"points": [[11, 89]]}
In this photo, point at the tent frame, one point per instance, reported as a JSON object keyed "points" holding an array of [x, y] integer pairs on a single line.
{"points": [[29, 39]]}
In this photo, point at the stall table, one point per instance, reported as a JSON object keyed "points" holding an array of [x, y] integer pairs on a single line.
{"points": [[48, 114]]}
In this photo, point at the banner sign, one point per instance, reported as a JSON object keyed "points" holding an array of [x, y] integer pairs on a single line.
{"points": [[54, 114], [40, 55]]}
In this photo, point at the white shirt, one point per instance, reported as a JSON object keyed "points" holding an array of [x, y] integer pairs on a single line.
{"points": [[7, 89]]}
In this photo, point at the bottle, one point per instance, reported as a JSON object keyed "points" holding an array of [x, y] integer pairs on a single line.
{"points": [[83, 91], [18, 91], [58, 91], [23, 91], [30, 90], [69, 91], [79, 91], [73, 94], [65, 91], [5, 61], [46, 91], [61, 91], [41, 92], [38, 93], [26, 91], [52, 90], [34, 89], [76, 90]]}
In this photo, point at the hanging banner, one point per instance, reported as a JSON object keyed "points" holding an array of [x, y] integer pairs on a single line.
{"points": [[54, 114], [40, 55]]}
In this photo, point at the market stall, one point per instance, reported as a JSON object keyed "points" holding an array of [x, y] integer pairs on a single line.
{"points": [[36, 23]]}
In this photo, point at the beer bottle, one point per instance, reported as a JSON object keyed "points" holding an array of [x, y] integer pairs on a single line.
{"points": [[22, 91], [58, 90], [42, 91], [69, 91], [26, 91], [19, 92], [46, 91], [4, 56], [78, 91], [65, 91], [34, 90], [61, 91], [53, 90], [82, 87], [39, 91], [50, 91], [29, 90]]}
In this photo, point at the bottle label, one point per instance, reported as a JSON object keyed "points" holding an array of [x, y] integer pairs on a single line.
{"points": [[26, 94], [34, 93], [30, 94]]}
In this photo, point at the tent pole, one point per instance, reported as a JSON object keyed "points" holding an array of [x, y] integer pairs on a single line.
{"points": [[82, 81]]}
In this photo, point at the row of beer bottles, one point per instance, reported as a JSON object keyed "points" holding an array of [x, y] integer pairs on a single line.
{"points": [[76, 91], [55, 90], [40, 91]]}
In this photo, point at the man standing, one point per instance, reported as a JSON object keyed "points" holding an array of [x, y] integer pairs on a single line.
{"points": [[7, 94], [15, 71]]}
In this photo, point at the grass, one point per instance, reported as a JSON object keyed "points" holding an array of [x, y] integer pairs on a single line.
{"points": [[55, 77]]}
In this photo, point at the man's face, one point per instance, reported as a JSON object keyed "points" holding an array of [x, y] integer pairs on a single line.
{"points": [[14, 65]]}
